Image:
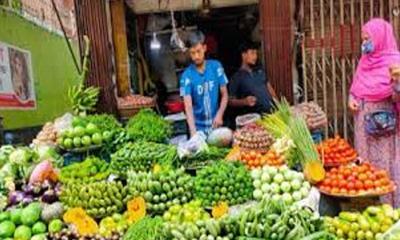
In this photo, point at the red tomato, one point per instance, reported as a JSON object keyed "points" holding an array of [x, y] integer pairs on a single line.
{"points": [[335, 183], [368, 184], [362, 177], [359, 185], [342, 184], [351, 178], [351, 186], [335, 190], [334, 170], [347, 173]]}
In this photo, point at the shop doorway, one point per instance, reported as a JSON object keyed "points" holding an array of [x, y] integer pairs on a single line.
{"points": [[225, 29]]}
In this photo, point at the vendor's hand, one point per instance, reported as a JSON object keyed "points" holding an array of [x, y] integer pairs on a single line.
{"points": [[251, 101], [192, 132], [353, 105], [218, 121]]}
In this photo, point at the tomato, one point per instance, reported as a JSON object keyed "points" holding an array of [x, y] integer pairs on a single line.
{"points": [[351, 179], [335, 183], [334, 170], [347, 172], [335, 190], [368, 184], [327, 182], [352, 192], [359, 185], [343, 190], [342, 183], [350, 186], [362, 177]]}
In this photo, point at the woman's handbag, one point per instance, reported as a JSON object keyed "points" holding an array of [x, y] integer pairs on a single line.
{"points": [[380, 122]]}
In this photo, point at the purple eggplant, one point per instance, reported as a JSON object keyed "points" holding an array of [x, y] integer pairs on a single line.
{"points": [[46, 185], [49, 196], [27, 199], [57, 189], [15, 197]]}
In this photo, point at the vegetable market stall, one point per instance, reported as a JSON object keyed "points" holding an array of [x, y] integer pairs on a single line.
{"points": [[129, 182]]}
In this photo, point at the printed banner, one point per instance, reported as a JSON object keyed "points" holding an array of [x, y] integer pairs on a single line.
{"points": [[16, 78]]}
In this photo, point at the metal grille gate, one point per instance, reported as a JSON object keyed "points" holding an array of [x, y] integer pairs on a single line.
{"points": [[330, 51]]}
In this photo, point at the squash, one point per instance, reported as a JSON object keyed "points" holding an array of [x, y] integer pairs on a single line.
{"points": [[220, 210], [136, 209], [314, 171]]}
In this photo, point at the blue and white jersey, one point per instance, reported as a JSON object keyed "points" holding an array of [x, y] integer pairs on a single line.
{"points": [[204, 89]]}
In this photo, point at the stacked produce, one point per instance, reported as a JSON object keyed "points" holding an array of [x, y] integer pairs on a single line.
{"points": [[99, 199], [48, 135], [254, 159], [161, 189], [223, 181], [253, 136], [90, 170], [82, 136], [273, 220], [312, 113], [25, 223], [141, 156], [356, 180], [279, 184], [189, 212], [134, 101], [148, 126], [370, 224], [336, 151]]}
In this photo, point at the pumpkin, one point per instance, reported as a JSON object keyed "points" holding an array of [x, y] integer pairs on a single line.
{"points": [[220, 210], [136, 209], [314, 171]]}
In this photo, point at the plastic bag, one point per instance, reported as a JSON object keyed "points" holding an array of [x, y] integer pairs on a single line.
{"points": [[176, 41], [63, 122], [312, 200], [195, 145], [392, 234]]}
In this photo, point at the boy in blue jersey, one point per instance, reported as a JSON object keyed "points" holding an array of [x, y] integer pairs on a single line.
{"points": [[203, 86]]}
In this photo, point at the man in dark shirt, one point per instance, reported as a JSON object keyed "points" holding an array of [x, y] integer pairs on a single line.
{"points": [[249, 89]]}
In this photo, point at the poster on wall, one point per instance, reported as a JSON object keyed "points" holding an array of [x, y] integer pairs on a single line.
{"points": [[16, 79]]}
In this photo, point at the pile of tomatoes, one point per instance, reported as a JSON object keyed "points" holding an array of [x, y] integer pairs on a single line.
{"points": [[336, 151], [256, 159], [353, 180]]}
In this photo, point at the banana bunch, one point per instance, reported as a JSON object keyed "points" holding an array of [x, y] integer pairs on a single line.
{"points": [[83, 99], [99, 199]]}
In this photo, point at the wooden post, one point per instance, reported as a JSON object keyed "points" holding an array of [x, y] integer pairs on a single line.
{"points": [[92, 21], [117, 10], [277, 34]]}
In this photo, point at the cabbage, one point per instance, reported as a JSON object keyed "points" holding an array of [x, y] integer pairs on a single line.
{"points": [[22, 156], [5, 152], [46, 152]]}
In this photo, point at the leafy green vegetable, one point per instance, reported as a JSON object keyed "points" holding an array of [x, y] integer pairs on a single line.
{"points": [[149, 126], [91, 169], [211, 154], [5, 152]]}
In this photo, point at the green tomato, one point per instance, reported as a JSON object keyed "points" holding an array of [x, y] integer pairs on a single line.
{"points": [[86, 141], [97, 138], [68, 143], [77, 142]]}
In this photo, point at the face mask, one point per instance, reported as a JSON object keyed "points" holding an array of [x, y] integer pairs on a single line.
{"points": [[367, 47]]}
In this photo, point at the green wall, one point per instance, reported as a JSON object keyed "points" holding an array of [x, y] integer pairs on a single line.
{"points": [[52, 66]]}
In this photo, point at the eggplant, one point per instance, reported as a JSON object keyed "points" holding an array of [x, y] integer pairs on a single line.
{"points": [[15, 197], [49, 196], [27, 199], [57, 189], [46, 185]]}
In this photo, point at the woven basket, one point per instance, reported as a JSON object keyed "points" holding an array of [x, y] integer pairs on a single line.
{"points": [[128, 112]]}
